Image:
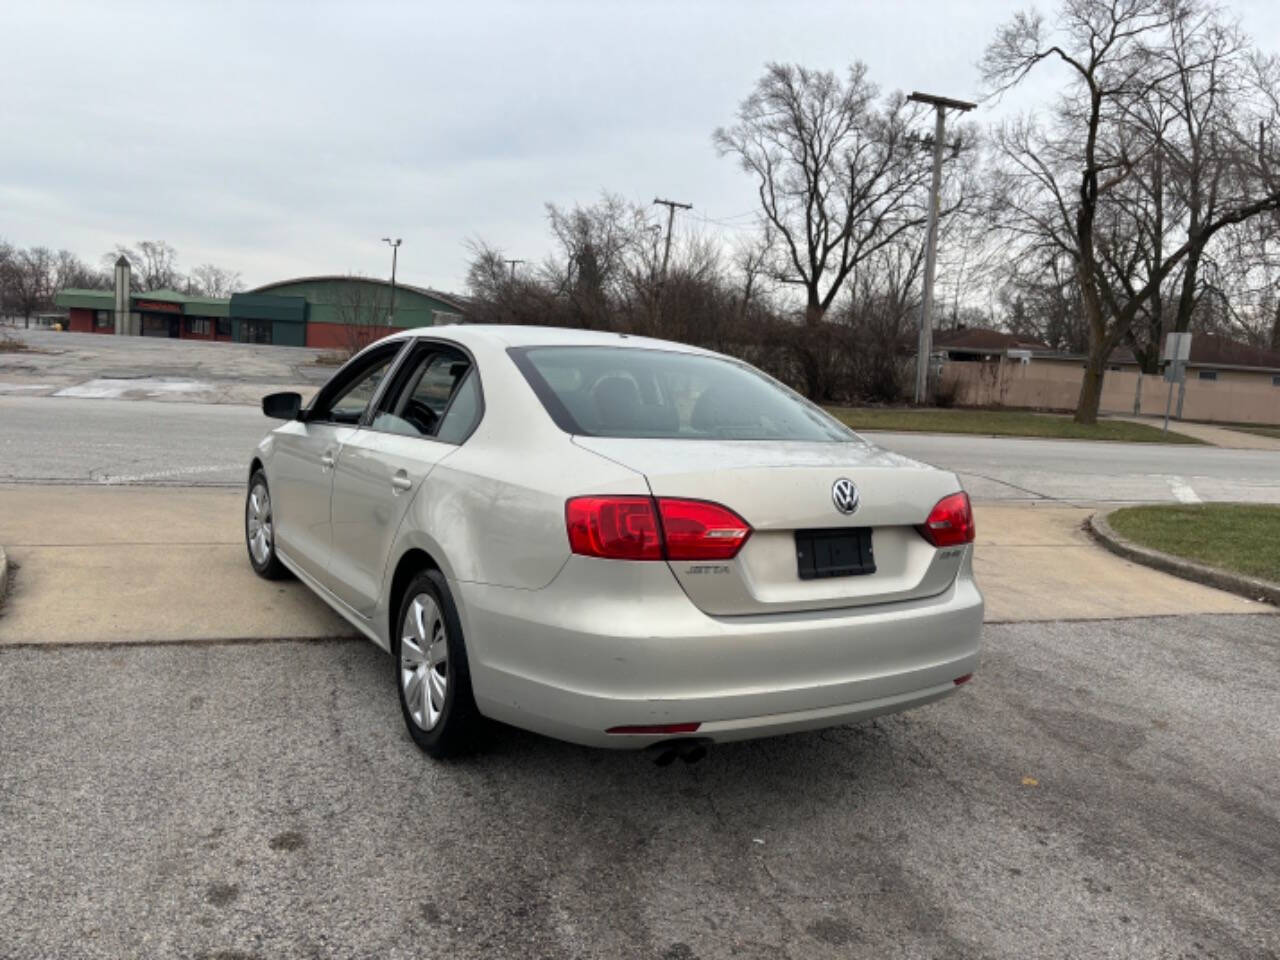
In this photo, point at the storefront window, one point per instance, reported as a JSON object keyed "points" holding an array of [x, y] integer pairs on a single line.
{"points": [[102, 318], [224, 326], [199, 326]]}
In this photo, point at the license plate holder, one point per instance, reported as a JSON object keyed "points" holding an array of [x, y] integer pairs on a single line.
{"points": [[836, 552]]}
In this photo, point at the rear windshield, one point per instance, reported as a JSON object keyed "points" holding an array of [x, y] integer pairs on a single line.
{"points": [[637, 392]]}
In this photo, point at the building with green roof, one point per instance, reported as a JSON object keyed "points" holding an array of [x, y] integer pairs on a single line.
{"points": [[321, 311]]}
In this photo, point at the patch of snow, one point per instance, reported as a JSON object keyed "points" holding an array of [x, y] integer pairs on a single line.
{"points": [[109, 388]]}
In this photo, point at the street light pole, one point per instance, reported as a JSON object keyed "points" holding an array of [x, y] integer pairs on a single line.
{"points": [[925, 347], [395, 249]]}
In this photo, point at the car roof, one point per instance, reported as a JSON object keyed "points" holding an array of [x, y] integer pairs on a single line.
{"points": [[513, 335]]}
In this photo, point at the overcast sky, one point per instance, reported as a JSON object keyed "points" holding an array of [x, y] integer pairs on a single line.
{"points": [[284, 139]]}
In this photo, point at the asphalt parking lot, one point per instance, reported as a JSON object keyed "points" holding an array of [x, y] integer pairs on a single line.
{"points": [[1103, 789]]}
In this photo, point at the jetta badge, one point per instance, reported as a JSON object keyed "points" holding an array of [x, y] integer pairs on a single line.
{"points": [[844, 495]]}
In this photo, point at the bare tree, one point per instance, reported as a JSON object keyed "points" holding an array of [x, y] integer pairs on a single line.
{"points": [[362, 308], [839, 177], [154, 264], [6, 278], [208, 280], [70, 271], [29, 281], [591, 267], [1118, 55]]}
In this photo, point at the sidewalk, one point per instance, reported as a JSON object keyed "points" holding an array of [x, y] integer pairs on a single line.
{"points": [[130, 564], [1218, 436], [117, 564], [1037, 563]]}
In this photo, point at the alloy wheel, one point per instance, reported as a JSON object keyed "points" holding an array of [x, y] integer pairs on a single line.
{"points": [[258, 524], [424, 661]]}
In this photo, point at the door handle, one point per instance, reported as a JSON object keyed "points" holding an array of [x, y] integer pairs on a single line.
{"points": [[326, 460], [400, 481]]}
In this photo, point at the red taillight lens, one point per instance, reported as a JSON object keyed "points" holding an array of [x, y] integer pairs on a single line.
{"points": [[627, 528], [950, 522], [617, 528], [697, 530]]}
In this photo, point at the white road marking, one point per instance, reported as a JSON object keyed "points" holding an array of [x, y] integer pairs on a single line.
{"points": [[1182, 491], [22, 387]]}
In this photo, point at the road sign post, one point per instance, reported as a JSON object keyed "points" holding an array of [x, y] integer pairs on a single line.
{"points": [[1177, 351]]}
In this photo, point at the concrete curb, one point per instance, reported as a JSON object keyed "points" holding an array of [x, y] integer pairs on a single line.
{"points": [[1254, 589]]}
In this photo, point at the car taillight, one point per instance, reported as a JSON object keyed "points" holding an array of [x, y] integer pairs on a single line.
{"points": [[697, 530], [628, 528], [616, 528], [950, 522]]}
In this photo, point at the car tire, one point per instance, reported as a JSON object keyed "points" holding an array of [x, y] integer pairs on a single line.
{"points": [[433, 677], [259, 530]]}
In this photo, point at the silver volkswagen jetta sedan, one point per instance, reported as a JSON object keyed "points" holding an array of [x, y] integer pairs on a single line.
{"points": [[613, 540]]}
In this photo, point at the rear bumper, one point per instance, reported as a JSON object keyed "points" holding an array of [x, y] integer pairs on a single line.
{"points": [[611, 644]]}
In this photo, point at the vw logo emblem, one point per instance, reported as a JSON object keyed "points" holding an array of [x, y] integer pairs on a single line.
{"points": [[844, 495]]}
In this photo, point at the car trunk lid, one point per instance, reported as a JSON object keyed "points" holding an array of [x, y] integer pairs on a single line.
{"points": [[780, 488]]}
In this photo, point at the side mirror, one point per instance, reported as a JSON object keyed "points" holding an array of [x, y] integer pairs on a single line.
{"points": [[282, 406]]}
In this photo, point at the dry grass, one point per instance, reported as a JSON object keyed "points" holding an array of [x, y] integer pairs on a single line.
{"points": [[10, 344]]}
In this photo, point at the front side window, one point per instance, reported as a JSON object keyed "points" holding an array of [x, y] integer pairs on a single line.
{"points": [[349, 401], [421, 403], [638, 392]]}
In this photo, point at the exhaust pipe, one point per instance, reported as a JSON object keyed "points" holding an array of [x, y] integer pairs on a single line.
{"points": [[689, 749]]}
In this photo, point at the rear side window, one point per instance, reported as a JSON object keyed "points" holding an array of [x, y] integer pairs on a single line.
{"points": [[638, 392], [463, 413]]}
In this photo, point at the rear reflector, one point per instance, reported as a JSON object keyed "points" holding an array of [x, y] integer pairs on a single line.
{"points": [[960, 681], [657, 728], [950, 522], [644, 528]]}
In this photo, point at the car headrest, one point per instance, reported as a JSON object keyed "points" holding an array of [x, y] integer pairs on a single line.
{"points": [[617, 401]]}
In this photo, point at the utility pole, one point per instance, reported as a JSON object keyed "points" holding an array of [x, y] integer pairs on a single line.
{"points": [[671, 206], [512, 264], [925, 348], [395, 249]]}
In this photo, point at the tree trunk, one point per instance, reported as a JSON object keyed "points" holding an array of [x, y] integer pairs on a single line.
{"points": [[1099, 349], [812, 350], [1187, 297], [1091, 387]]}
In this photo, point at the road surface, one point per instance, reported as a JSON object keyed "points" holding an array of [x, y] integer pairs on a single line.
{"points": [[1102, 789], [65, 440]]}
